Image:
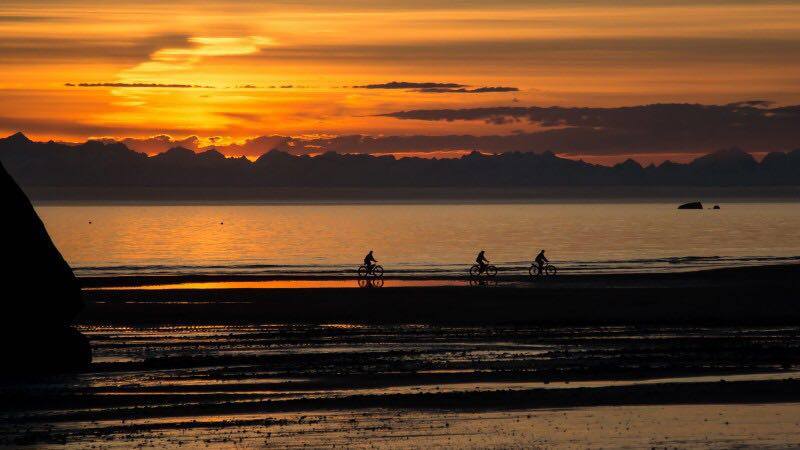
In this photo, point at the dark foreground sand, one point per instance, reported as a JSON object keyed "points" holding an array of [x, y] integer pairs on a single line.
{"points": [[753, 426], [704, 423], [701, 360]]}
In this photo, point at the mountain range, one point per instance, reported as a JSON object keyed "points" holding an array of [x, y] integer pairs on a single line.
{"points": [[112, 164]]}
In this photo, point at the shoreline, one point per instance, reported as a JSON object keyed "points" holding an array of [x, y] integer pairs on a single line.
{"points": [[755, 274], [737, 296]]}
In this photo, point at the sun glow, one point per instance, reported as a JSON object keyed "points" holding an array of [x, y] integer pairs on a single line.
{"points": [[240, 69]]}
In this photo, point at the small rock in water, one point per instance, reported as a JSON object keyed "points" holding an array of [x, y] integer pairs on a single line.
{"points": [[691, 205]]}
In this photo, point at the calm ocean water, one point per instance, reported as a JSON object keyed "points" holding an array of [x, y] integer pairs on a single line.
{"points": [[417, 239]]}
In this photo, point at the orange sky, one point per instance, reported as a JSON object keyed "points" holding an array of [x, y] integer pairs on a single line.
{"points": [[264, 68]]}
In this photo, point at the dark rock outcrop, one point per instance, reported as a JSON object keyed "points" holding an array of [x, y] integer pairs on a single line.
{"points": [[42, 294], [691, 205]]}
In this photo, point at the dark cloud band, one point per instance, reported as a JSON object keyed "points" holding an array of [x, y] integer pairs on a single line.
{"points": [[644, 129], [138, 85], [411, 85], [437, 88], [479, 90], [634, 129]]}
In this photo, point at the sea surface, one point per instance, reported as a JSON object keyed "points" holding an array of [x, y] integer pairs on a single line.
{"points": [[417, 240]]}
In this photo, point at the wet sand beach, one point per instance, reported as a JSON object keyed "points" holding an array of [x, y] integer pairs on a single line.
{"points": [[698, 360], [745, 295]]}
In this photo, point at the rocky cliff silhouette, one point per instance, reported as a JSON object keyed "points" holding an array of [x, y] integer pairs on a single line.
{"points": [[103, 164], [42, 294]]}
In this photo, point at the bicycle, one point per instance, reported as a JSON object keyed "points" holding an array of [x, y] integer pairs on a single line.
{"points": [[376, 272], [489, 272], [547, 270]]}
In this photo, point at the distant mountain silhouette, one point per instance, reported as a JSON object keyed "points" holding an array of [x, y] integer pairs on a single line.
{"points": [[103, 164], [18, 139]]}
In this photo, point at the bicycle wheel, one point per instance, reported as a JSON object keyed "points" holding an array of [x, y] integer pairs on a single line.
{"points": [[491, 271], [533, 271], [474, 271], [362, 272], [377, 271], [550, 270]]}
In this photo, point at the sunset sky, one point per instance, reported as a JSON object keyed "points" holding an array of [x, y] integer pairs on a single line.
{"points": [[230, 70]]}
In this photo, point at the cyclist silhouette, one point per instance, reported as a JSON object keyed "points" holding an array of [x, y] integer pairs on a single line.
{"points": [[368, 260], [540, 260], [481, 260]]}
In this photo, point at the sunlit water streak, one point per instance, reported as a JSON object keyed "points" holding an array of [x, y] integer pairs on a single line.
{"points": [[417, 240]]}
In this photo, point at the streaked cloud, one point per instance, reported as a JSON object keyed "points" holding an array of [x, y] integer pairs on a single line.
{"points": [[410, 85], [214, 46], [23, 18], [138, 85], [43, 50], [183, 58], [480, 90], [437, 88]]}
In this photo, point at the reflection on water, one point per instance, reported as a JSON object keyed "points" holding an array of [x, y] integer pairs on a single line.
{"points": [[482, 282], [378, 283], [295, 284], [431, 240]]}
